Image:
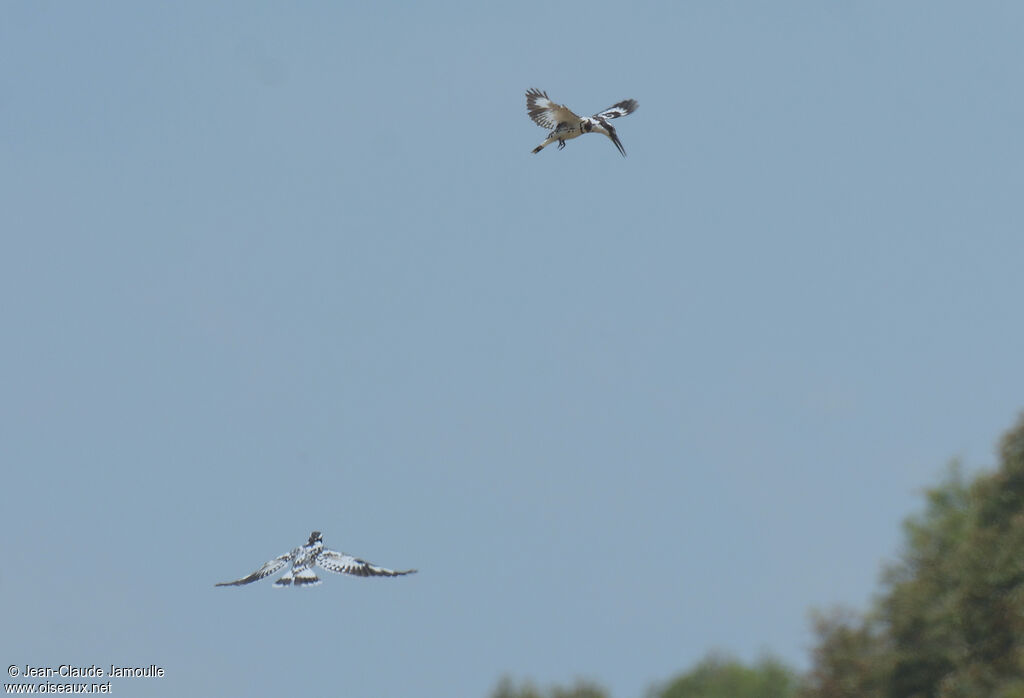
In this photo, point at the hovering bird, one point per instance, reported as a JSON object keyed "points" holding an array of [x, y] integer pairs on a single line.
{"points": [[304, 558], [565, 125]]}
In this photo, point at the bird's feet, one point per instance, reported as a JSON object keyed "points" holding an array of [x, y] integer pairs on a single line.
{"points": [[561, 144]]}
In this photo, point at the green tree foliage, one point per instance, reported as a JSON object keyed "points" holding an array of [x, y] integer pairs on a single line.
{"points": [[581, 689], [716, 676], [850, 659], [950, 620], [724, 677]]}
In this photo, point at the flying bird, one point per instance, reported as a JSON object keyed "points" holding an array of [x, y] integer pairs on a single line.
{"points": [[565, 125], [303, 560]]}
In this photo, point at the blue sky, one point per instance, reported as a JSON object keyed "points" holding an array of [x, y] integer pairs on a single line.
{"points": [[267, 269]]}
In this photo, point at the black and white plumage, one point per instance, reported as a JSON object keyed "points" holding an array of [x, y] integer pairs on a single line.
{"points": [[564, 124], [304, 559]]}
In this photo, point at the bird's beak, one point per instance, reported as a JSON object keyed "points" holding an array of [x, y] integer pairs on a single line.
{"points": [[615, 139]]}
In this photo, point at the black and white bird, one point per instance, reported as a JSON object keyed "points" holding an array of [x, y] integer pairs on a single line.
{"points": [[565, 125], [305, 558]]}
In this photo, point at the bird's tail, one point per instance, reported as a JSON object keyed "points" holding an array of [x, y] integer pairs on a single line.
{"points": [[548, 141], [302, 578], [306, 578]]}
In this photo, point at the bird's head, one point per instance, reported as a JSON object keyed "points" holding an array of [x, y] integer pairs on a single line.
{"points": [[315, 537]]}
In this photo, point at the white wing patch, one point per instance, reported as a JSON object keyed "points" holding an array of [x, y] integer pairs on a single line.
{"points": [[623, 108], [546, 113]]}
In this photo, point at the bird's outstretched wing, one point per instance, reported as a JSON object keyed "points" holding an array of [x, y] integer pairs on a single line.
{"points": [[546, 113], [265, 571], [341, 563], [626, 106]]}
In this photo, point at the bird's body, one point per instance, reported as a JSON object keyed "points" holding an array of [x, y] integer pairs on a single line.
{"points": [[566, 125], [306, 557]]}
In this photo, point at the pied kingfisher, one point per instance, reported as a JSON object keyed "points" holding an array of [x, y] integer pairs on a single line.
{"points": [[565, 125], [313, 553]]}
